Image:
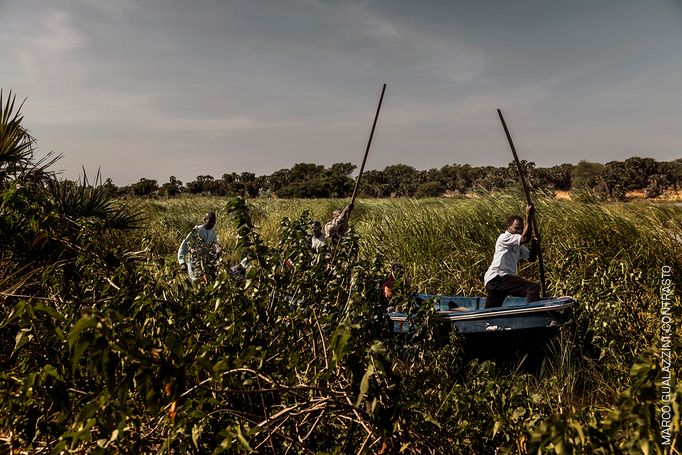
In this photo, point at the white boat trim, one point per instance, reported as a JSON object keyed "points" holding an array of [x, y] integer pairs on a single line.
{"points": [[479, 314], [454, 315]]}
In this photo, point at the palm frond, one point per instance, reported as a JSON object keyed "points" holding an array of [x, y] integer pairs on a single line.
{"points": [[83, 200], [16, 144]]}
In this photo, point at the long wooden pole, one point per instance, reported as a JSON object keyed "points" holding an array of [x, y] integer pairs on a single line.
{"points": [[533, 221], [369, 143]]}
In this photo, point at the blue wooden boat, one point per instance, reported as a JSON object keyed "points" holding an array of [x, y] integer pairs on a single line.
{"points": [[516, 317]]}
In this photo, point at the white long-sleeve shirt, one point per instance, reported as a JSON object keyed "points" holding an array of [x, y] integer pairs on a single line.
{"points": [[508, 252], [207, 235]]}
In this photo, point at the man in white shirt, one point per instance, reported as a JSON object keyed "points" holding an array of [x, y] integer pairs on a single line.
{"points": [[318, 238], [201, 238], [501, 279]]}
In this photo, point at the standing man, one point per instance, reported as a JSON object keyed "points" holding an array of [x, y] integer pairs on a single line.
{"points": [[199, 243], [336, 228], [317, 240], [501, 279]]}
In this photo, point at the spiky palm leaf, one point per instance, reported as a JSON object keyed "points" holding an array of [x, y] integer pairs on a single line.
{"points": [[17, 145], [83, 200]]}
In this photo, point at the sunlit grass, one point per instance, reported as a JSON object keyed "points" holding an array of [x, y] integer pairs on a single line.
{"points": [[447, 244], [607, 256]]}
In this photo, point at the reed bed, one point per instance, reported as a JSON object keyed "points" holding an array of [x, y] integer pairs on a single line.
{"points": [[447, 244], [303, 360], [607, 256]]}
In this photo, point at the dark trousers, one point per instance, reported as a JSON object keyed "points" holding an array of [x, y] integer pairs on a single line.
{"points": [[501, 286]]}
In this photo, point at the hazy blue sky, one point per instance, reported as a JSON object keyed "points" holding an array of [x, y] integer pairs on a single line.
{"points": [[154, 88]]}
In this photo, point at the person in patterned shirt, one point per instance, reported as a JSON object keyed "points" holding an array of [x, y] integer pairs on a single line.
{"points": [[336, 228]]}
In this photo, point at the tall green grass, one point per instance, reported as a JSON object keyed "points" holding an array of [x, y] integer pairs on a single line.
{"points": [[447, 244], [607, 256], [119, 336]]}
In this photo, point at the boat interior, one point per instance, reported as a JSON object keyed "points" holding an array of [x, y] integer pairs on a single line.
{"points": [[449, 303]]}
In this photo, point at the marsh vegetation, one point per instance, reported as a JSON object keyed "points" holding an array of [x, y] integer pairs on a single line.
{"points": [[106, 347]]}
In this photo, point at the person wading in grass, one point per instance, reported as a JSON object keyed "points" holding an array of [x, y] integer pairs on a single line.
{"points": [[318, 237], [501, 280], [202, 239], [336, 228]]}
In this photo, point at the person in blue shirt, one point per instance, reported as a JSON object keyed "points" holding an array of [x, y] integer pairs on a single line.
{"points": [[199, 244]]}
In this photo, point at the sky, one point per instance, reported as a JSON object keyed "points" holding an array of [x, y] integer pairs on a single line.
{"points": [[159, 88]]}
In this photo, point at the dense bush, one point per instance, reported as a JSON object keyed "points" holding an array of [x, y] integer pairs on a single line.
{"points": [[107, 348]]}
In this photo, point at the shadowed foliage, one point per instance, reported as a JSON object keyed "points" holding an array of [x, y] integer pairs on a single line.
{"points": [[106, 348]]}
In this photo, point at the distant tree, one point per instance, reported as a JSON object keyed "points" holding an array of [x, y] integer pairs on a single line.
{"points": [[307, 180], [374, 184], [612, 181], [171, 188], [250, 184], [490, 178], [637, 172], [457, 177], [534, 178], [401, 179], [429, 175], [658, 183], [342, 168], [145, 187], [306, 190], [244, 184], [302, 172], [676, 174], [109, 188], [584, 174], [430, 189], [299, 181], [228, 184], [338, 179], [204, 184], [673, 172], [556, 177], [278, 179]]}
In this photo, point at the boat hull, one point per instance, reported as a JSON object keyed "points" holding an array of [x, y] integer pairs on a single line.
{"points": [[467, 316]]}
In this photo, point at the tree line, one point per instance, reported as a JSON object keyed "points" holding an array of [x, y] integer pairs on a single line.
{"points": [[609, 181]]}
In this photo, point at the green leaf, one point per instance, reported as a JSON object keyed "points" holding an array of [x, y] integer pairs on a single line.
{"points": [[497, 426], [338, 343], [644, 446], [17, 311], [518, 412], [242, 439], [49, 310], [77, 354], [82, 324], [51, 371], [364, 384], [23, 337], [196, 433], [175, 345]]}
